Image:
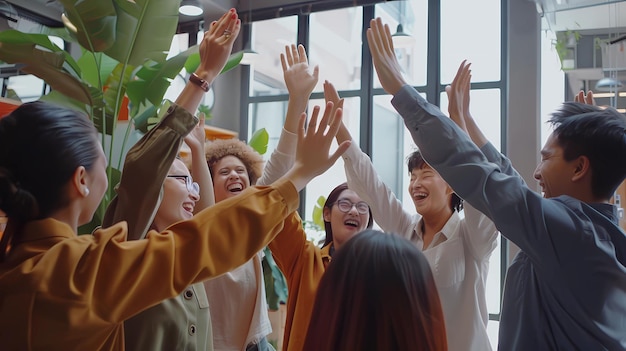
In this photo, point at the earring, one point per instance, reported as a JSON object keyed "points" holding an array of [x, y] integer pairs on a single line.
{"points": [[86, 192]]}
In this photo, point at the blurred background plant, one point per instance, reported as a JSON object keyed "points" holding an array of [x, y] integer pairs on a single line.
{"points": [[121, 73]]}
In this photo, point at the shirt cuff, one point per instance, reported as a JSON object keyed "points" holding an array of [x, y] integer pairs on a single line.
{"points": [[179, 120]]}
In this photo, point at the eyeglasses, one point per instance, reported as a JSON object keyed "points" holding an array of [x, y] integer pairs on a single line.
{"points": [[192, 186], [346, 205]]}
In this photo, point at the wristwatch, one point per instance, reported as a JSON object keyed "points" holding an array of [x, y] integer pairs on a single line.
{"points": [[203, 84]]}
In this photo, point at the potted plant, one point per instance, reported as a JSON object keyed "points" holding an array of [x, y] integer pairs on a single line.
{"points": [[565, 46], [122, 68]]}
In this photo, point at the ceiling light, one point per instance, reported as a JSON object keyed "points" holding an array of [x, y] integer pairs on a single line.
{"points": [[190, 8], [401, 39]]}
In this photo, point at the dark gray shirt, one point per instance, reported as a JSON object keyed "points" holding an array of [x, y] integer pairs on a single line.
{"points": [[566, 289]]}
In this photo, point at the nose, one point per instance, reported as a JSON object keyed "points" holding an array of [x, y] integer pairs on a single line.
{"points": [[537, 173], [353, 210], [233, 174], [194, 196]]}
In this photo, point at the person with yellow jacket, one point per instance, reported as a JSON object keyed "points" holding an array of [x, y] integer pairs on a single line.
{"points": [[61, 291]]}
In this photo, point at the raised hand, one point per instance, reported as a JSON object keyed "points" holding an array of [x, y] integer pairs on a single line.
{"points": [[458, 95], [312, 152], [384, 57], [196, 138], [299, 80], [331, 95], [217, 44], [585, 98]]}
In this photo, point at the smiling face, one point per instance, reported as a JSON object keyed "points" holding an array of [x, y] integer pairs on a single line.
{"points": [[553, 172], [230, 178], [346, 224], [430, 193], [178, 202]]}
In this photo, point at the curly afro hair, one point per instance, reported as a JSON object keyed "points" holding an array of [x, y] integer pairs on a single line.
{"points": [[220, 148]]}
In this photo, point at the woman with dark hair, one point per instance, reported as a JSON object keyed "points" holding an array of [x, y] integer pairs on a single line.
{"points": [[377, 294], [303, 263], [62, 291]]}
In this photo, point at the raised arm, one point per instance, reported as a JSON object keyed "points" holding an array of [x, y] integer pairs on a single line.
{"points": [[199, 167], [312, 158], [300, 82], [149, 160], [458, 108]]}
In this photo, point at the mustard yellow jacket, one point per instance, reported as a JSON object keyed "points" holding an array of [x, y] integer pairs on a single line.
{"points": [[303, 264], [59, 291]]}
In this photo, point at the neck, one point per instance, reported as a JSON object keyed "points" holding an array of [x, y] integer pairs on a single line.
{"points": [[433, 224]]}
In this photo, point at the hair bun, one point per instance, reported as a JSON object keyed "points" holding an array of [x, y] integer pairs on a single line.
{"points": [[15, 201]]}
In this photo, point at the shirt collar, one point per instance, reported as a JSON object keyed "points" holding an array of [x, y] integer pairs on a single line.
{"points": [[449, 230]]}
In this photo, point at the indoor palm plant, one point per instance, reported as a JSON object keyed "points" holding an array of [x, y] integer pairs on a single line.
{"points": [[122, 68]]}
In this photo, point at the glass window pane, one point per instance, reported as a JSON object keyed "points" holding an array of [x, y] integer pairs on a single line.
{"points": [[492, 333], [485, 108], [269, 39], [493, 280], [27, 87], [388, 149], [271, 116], [465, 36], [335, 45], [411, 53]]}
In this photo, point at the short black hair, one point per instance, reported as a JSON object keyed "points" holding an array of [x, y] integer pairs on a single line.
{"points": [[597, 133]]}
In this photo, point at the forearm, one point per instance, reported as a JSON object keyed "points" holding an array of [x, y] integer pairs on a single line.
{"points": [[192, 94], [201, 175], [474, 132], [145, 167], [295, 107]]}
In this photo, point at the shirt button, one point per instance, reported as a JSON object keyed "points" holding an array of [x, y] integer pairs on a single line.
{"points": [[192, 329], [188, 294]]}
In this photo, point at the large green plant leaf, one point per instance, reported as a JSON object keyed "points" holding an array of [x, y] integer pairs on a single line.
{"points": [[14, 37], [145, 29], [62, 100], [194, 61], [96, 67], [48, 66], [153, 79], [318, 212], [259, 141], [95, 22]]}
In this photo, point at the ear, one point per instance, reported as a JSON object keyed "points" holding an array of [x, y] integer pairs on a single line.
{"points": [[79, 182], [582, 168], [326, 214]]}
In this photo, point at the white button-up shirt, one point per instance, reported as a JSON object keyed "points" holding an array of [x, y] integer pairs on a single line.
{"points": [[458, 255]]}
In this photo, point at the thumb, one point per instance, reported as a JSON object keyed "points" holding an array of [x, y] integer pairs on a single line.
{"points": [[343, 147], [448, 89]]}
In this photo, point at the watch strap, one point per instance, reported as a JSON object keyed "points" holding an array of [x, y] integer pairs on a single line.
{"points": [[203, 84]]}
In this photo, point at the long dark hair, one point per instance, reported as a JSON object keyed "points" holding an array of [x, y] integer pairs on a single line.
{"points": [[41, 145], [330, 201], [378, 293]]}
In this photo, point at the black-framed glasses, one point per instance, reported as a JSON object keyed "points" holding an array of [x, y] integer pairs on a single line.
{"points": [[192, 186], [346, 205]]}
